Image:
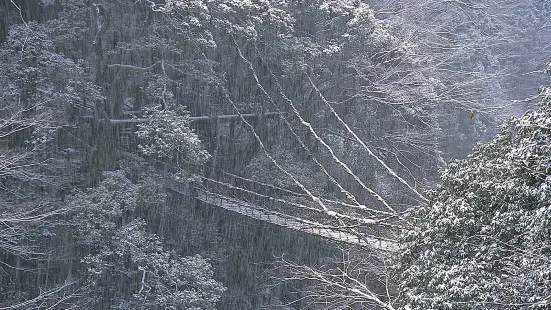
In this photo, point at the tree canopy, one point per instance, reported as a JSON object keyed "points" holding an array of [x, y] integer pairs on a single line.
{"points": [[484, 240]]}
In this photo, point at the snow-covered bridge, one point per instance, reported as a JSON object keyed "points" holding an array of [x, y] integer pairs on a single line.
{"points": [[284, 220], [265, 209]]}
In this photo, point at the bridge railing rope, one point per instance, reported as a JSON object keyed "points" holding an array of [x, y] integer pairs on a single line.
{"points": [[271, 189], [260, 200], [281, 219], [328, 231], [285, 220]]}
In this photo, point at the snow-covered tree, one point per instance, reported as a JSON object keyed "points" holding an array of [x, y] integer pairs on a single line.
{"points": [[122, 254], [484, 239], [168, 135]]}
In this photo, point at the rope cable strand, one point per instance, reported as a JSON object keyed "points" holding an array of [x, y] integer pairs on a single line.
{"points": [[206, 167], [309, 126], [378, 221], [293, 222], [360, 141]]}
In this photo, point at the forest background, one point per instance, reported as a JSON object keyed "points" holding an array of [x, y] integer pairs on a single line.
{"points": [[353, 103]]}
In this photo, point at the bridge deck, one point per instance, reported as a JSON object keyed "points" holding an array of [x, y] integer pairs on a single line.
{"points": [[280, 219]]}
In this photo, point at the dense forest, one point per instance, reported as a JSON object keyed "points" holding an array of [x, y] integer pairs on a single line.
{"points": [[275, 154]]}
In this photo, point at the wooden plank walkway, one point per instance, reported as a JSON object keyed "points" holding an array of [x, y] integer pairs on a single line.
{"points": [[283, 220]]}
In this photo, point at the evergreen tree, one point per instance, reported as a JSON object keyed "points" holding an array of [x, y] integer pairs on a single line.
{"points": [[127, 267], [484, 240]]}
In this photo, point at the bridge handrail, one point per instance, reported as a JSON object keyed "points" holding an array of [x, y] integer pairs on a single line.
{"points": [[372, 221], [361, 238], [309, 227], [354, 222], [249, 205], [362, 208]]}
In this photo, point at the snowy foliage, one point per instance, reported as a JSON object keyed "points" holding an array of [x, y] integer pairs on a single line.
{"points": [[200, 20], [48, 86], [122, 251], [167, 135], [484, 241]]}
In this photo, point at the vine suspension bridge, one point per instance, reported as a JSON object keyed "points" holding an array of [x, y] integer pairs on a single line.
{"points": [[271, 204], [278, 206]]}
